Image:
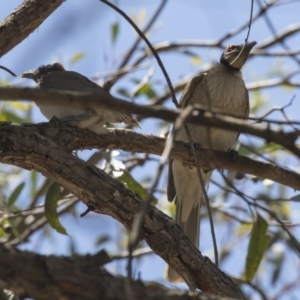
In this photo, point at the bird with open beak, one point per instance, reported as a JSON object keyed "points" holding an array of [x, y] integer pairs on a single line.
{"points": [[221, 88]]}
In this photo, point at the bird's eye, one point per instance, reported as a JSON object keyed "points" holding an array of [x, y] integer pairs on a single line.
{"points": [[230, 48]]}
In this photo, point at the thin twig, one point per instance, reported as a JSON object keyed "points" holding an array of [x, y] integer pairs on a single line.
{"points": [[247, 36], [262, 118], [119, 72], [142, 35], [127, 57], [250, 22], [135, 254], [8, 70], [252, 285], [282, 110], [274, 33], [268, 211], [142, 83]]}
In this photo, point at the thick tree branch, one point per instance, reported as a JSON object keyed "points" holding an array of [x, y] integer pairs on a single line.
{"points": [[86, 99], [35, 150], [24, 20], [77, 139], [76, 277]]}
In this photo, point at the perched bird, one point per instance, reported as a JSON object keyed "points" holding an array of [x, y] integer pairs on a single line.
{"points": [[221, 88], [56, 77]]}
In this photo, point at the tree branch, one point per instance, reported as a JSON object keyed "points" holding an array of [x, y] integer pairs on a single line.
{"points": [[72, 138], [76, 277], [23, 21], [106, 101], [34, 150]]}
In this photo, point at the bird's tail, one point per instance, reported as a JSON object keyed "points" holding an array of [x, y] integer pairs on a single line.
{"points": [[191, 228], [129, 120], [188, 201]]}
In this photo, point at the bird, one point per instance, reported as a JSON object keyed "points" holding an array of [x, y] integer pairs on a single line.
{"points": [[221, 88], [55, 76]]}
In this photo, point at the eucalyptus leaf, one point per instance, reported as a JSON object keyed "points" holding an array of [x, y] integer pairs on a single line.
{"points": [[135, 186], [258, 244], [15, 194], [52, 196]]}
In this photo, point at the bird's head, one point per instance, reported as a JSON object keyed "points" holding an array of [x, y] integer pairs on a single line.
{"points": [[234, 56], [37, 74]]}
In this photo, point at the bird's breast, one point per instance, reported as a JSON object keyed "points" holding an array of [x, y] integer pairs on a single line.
{"points": [[228, 93], [219, 90]]}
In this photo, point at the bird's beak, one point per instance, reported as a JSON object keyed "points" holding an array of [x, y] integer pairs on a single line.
{"points": [[29, 74], [249, 46], [245, 49]]}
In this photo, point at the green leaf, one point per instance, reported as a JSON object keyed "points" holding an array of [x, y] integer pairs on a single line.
{"points": [[15, 194], [2, 233], [52, 197], [135, 186], [114, 31], [7, 116], [245, 151], [33, 182], [148, 90], [258, 244], [77, 57], [102, 239]]}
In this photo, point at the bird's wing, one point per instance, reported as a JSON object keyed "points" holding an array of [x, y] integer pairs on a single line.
{"points": [[190, 88], [247, 109], [171, 190], [73, 81], [184, 101], [69, 80]]}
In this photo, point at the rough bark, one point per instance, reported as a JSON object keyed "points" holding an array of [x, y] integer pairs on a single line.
{"points": [[77, 277], [36, 150], [24, 20], [76, 139]]}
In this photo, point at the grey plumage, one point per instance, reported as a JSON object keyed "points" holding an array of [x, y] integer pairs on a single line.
{"points": [[221, 88], [56, 77]]}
